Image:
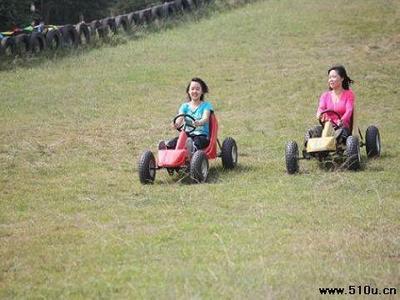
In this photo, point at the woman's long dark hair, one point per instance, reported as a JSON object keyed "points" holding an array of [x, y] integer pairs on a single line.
{"points": [[347, 81], [204, 88]]}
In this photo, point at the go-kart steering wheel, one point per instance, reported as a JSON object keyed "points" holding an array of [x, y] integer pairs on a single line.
{"points": [[329, 111], [185, 124]]}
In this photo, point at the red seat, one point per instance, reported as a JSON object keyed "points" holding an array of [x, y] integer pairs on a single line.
{"points": [[211, 150]]}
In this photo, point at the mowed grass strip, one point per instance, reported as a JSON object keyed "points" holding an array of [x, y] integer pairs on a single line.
{"points": [[76, 223]]}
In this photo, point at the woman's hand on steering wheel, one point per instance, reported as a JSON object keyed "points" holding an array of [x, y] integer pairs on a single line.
{"points": [[323, 118]]}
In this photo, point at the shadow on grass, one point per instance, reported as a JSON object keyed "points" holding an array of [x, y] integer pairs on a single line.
{"points": [[214, 175]]}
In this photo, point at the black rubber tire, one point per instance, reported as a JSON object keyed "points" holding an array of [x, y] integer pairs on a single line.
{"points": [[103, 31], [9, 46], [199, 167], [133, 18], [37, 42], [292, 157], [145, 16], [83, 33], [110, 22], [169, 9], [179, 5], [147, 165], [94, 26], [22, 44], [373, 142], [157, 12], [54, 39], [70, 36], [229, 153], [353, 160], [122, 22], [187, 5]]}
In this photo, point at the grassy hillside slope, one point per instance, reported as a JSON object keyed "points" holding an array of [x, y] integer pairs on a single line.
{"points": [[76, 223]]}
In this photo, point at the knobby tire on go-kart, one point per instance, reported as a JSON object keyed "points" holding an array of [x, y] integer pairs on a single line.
{"points": [[372, 142], [199, 167], [229, 153], [291, 157], [353, 161], [147, 168]]}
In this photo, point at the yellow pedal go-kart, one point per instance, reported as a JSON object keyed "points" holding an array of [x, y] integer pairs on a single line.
{"points": [[324, 143]]}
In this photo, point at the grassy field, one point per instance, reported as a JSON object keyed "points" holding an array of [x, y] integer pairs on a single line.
{"points": [[76, 223]]}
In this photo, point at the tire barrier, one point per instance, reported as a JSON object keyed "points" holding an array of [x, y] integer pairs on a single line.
{"points": [[145, 16], [110, 23], [157, 12], [22, 44], [8, 46], [169, 9], [37, 42], [94, 26], [71, 36], [122, 22], [133, 18], [54, 39], [83, 33]]}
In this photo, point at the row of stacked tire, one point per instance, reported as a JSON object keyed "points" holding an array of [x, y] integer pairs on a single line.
{"points": [[71, 36]]}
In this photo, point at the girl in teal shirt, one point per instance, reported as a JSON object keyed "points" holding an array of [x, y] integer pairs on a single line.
{"points": [[200, 110]]}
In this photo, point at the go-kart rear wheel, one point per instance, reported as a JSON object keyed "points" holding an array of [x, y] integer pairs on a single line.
{"points": [[229, 153], [199, 167], [147, 168], [353, 161], [292, 157], [373, 142]]}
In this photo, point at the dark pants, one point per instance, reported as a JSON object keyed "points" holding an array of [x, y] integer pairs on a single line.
{"points": [[342, 134], [200, 142]]}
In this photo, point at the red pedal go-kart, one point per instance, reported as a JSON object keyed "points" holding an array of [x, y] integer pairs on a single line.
{"points": [[178, 159]]}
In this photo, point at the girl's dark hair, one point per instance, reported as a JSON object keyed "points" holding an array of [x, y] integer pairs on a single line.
{"points": [[204, 87], [347, 81]]}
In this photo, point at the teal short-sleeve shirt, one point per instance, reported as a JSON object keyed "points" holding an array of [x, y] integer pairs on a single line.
{"points": [[197, 114]]}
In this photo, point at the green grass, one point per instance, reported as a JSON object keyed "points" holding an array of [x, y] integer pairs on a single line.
{"points": [[76, 223]]}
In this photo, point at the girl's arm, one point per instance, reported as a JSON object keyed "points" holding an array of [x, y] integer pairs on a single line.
{"points": [[204, 119], [178, 123]]}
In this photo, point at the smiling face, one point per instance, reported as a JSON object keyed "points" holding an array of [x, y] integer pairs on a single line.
{"points": [[195, 91], [334, 80]]}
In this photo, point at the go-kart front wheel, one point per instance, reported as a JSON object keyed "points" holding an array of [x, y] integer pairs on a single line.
{"points": [[353, 161], [147, 168], [199, 167], [292, 157], [229, 153], [372, 142]]}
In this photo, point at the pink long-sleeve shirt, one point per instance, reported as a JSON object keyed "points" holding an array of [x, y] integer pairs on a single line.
{"points": [[344, 107]]}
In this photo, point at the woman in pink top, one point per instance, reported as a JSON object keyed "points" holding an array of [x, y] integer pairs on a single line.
{"points": [[340, 99]]}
